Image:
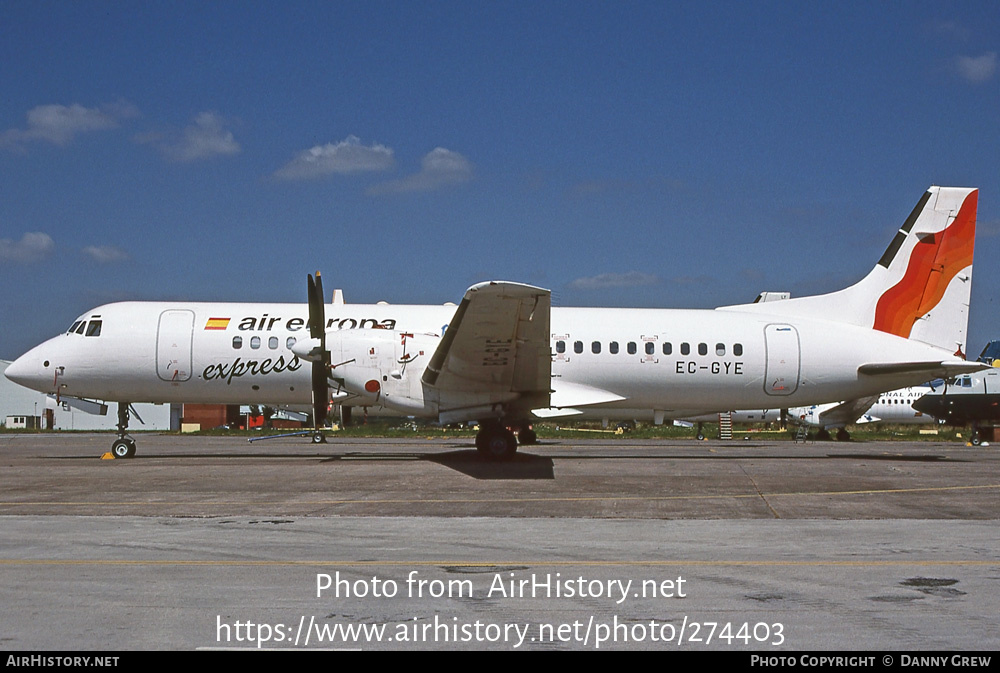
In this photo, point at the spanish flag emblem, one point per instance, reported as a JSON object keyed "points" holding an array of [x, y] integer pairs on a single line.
{"points": [[217, 323]]}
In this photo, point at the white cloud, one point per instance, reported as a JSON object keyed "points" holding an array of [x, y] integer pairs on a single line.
{"points": [[612, 280], [58, 124], [204, 139], [439, 168], [103, 254], [977, 69], [32, 247], [346, 157]]}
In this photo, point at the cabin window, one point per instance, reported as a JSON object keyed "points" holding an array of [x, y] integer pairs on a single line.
{"points": [[702, 349], [668, 348], [650, 348], [272, 343], [560, 347], [685, 348], [577, 346], [737, 350], [255, 342], [613, 347], [289, 342], [720, 349], [631, 348], [595, 347], [94, 328], [237, 342]]}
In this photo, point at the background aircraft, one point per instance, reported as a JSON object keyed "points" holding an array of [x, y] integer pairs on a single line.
{"points": [[972, 399], [894, 406]]}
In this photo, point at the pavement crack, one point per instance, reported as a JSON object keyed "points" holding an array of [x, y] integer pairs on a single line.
{"points": [[759, 492]]}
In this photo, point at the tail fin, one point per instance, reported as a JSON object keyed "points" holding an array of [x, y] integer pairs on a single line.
{"points": [[920, 288]]}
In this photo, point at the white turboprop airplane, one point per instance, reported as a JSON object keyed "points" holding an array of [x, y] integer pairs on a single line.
{"points": [[504, 357]]}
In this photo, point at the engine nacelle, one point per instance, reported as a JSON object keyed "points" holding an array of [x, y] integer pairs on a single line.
{"points": [[308, 349], [383, 368]]}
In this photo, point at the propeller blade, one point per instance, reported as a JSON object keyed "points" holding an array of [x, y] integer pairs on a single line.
{"points": [[320, 368]]}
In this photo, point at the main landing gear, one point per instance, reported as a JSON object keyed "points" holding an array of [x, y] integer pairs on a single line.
{"points": [[823, 435], [496, 441], [124, 446]]}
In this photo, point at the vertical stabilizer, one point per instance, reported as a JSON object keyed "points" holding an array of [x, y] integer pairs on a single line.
{"points": [[920, 288]]}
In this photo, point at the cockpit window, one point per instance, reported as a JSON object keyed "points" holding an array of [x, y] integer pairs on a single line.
{"points": [[73, 327], [82, 324], [94, 328]]}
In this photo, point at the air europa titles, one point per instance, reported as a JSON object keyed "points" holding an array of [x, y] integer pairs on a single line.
{"points": [[266, 323]]}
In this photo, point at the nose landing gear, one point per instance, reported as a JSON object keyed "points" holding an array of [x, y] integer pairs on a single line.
{"points": [[124, 446]]}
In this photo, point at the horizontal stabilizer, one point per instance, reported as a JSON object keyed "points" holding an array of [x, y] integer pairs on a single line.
{"points": [[932, 370]]}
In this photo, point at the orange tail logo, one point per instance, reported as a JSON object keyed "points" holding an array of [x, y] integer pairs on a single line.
{"points": [[934, 263]]}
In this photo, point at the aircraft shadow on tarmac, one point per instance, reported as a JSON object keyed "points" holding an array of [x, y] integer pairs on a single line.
{"points": [[469, 462], [526, 466], [465, 460]]}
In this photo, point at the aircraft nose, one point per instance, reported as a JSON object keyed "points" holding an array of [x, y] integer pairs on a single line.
{"points": [[31, 370], [19, 372], [929, 404]]}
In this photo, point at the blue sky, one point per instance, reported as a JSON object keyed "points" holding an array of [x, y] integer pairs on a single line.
{"points": [[622, 154]]}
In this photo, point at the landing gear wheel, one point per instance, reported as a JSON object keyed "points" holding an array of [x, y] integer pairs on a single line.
{"points": [[975, 440], [822, 435], [123, 448], [318, 438], [843, 435], [527, 437], [496, 444]]}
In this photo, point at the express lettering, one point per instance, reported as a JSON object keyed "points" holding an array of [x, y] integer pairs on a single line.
{"points": [[239, 367]]}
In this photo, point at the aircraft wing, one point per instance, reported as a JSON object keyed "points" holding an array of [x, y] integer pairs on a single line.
{"points": [[846, 412], [495, 350], [566, 396]]}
